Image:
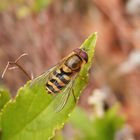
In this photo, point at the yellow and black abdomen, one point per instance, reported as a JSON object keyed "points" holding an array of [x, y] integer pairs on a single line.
{"points": [[60, 78]]}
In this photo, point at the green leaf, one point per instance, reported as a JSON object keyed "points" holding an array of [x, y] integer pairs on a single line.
{"points": [[4, 97], [58, 135], [31, 115]]}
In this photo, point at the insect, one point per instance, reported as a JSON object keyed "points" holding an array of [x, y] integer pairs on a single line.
{"points": [[66, 71], [60, 78]]}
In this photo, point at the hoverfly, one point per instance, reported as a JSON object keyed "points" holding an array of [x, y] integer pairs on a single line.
{"points": [[60, 78]]}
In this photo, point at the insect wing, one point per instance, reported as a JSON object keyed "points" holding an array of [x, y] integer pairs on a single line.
{"points": [[63, 98], [40, 80], [43, 77]]}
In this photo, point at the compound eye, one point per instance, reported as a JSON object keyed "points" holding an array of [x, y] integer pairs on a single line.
{"points": [[82, 54]]}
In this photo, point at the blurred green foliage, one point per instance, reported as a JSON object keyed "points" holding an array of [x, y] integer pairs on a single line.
{"points": [[97, 128], [40, 4], [4, 96], [24, 7]]}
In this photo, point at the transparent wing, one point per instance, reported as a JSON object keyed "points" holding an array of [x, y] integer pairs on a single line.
{"points": [[65, 96], [43, 77], [40, 80]]}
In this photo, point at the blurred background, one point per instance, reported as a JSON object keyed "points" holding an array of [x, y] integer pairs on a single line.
{"points": [[48, 30]]}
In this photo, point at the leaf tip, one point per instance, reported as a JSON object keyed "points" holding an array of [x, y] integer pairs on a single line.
{"points": [[93, 35]]}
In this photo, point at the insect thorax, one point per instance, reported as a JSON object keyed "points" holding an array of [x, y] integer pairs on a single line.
{"points": [[74, 62]]}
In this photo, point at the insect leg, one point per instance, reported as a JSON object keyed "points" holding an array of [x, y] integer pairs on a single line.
{"points": [[73, 96]]}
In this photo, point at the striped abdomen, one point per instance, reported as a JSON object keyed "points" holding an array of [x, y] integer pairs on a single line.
{"points": [[60, 78]]}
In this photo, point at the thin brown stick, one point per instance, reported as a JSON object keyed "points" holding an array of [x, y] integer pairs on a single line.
{"points": [[18, 65], [24, 54], [12, 68], [5, 70]]}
